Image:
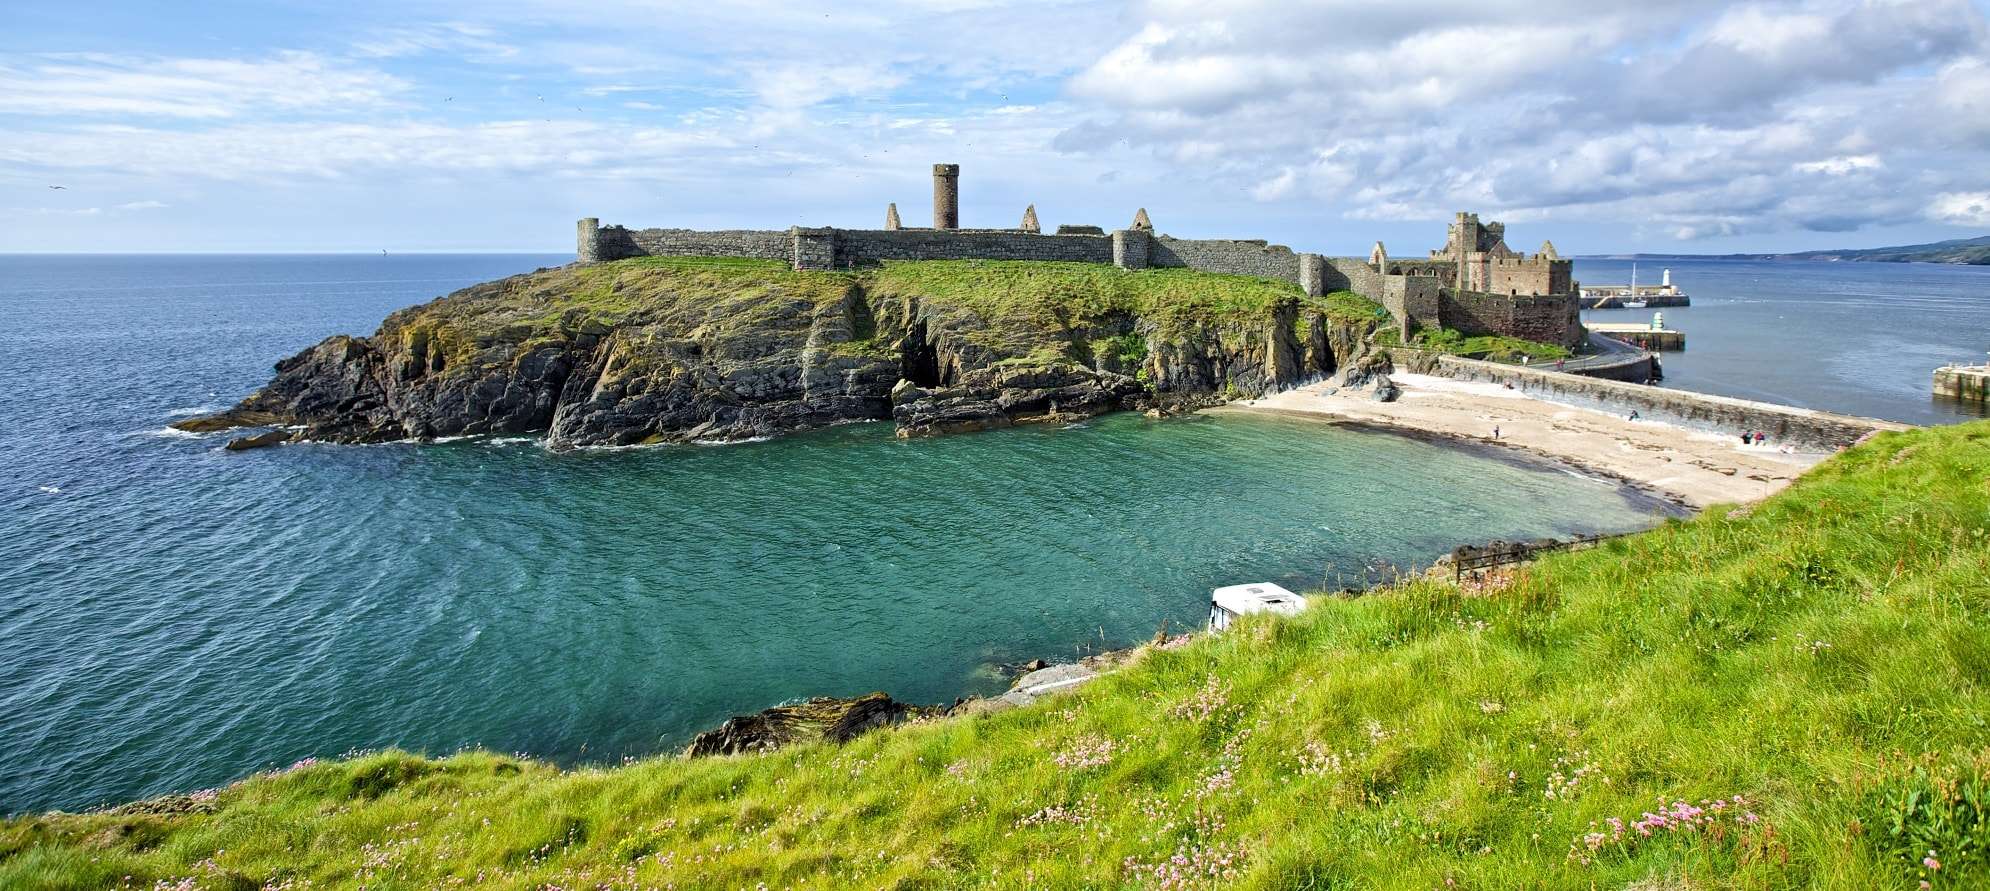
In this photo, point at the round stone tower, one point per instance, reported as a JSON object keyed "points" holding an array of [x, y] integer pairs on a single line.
{"points": [[587, 246], [946, 196]]}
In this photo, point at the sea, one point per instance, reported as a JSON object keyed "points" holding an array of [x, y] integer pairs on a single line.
{"points": [[1857, 338], [174, 616]]}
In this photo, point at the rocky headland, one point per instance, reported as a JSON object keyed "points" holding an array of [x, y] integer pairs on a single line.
{"points": [[658, 350]]}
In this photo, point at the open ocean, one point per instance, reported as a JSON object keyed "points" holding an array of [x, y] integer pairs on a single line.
{"points": [[175, 617]]}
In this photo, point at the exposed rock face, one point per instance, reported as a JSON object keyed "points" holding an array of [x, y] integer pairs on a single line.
{"points": [[644, 352], [825, 718]]}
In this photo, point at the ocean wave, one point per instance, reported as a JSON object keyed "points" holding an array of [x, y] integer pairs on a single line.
{"points": [[176, 433], [727, 442], [206, 408]]}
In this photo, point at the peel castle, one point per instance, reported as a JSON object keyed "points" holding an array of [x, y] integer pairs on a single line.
{"points": [[1475, 284]]}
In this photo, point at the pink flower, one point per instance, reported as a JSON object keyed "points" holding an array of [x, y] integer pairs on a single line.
{"points": [[1931, 863]]}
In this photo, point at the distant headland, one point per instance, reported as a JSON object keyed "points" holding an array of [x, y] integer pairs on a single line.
{"points": [[1955, 251]]}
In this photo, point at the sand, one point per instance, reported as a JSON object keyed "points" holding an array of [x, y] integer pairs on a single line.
{"points": [[1689, 467]]}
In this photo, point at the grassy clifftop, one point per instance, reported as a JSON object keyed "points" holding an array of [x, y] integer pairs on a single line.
{"points": [[1788, 696]]}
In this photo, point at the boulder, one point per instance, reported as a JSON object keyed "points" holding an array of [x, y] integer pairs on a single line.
{"points": [[258, 440], [823, 718]]}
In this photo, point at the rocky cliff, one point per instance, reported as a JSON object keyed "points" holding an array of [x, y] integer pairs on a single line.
{"points": [[651, 350]]}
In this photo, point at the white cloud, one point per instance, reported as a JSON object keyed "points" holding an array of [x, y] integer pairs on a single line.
{"points": [[94, 84], [1961, 208], [142, 205], [1277, 187], [1696, 119], [1841, 165], [473, 42]]}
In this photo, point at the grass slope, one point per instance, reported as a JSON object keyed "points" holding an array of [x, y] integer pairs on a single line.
{"points": [[1816, 665], [1494, 347]]}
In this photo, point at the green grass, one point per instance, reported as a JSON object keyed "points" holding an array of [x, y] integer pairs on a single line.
{"points": [[1349, 307], [1069, 294], [1494, 347], [1822, 655]]}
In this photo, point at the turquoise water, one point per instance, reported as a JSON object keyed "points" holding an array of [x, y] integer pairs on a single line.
{"points": [[177, 616]]}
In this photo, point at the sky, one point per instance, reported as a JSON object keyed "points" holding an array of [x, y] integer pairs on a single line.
{"points": [[1656, 126]]}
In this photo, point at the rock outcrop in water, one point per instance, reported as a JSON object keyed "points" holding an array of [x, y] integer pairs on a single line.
{"points": [[821, 719], [647, 351]]}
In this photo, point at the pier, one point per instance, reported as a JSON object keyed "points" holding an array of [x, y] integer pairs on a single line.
{"points": [[1665, 293], [1645, 336], [1964, 383]]}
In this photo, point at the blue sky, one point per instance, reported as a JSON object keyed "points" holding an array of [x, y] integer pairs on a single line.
{"points": [[1666, 125]]}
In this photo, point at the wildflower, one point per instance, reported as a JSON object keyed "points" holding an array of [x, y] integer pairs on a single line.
{"points": [[1206, 703], [1091, 751], [1931, 863]]}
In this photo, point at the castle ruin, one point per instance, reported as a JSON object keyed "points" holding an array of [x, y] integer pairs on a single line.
{"points": [[1475, 283]]}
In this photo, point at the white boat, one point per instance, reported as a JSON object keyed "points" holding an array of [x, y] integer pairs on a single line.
{"points": [[1631, 299]]}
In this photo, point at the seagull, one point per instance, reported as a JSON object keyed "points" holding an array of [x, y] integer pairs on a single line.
{"points": [[450, 99], [65, 188]]}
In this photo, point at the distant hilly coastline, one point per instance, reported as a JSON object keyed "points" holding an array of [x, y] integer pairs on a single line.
{"points": [[1963, 251]]}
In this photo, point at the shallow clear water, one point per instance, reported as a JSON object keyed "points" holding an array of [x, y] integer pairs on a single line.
{"points": [[176, 616], [1860, 338]]}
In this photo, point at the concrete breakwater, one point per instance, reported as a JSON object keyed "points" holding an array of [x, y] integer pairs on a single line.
{"points": [[1801, 428], [1964, 383]]}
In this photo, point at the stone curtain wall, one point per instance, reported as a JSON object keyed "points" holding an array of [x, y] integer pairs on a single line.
{"points": [[829, 248], [615, 243], [1351, 274], [1786, 425], [1546, 319], [861, 246], [1238, 257], [1528, 276]]}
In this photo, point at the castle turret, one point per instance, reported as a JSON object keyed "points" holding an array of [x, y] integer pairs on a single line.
{"points": [[1029, 220], [1140, 221], [946, 196], [587, 246], [891, 217], [1378, 257], [1548, 251]]}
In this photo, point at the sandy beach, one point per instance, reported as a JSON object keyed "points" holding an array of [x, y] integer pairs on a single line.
{"points": [[1688, 467]]}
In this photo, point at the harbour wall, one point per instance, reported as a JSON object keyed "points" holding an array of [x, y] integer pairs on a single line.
{"points": [[1801, 428], [1964, 383]]}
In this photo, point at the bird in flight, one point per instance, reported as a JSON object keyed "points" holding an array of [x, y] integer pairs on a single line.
{"points": [[64, 188]]}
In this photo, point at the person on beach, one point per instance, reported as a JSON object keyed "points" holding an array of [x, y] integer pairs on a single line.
{"points": [[1495, 431], [1744, 437], [1559, 363]]}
